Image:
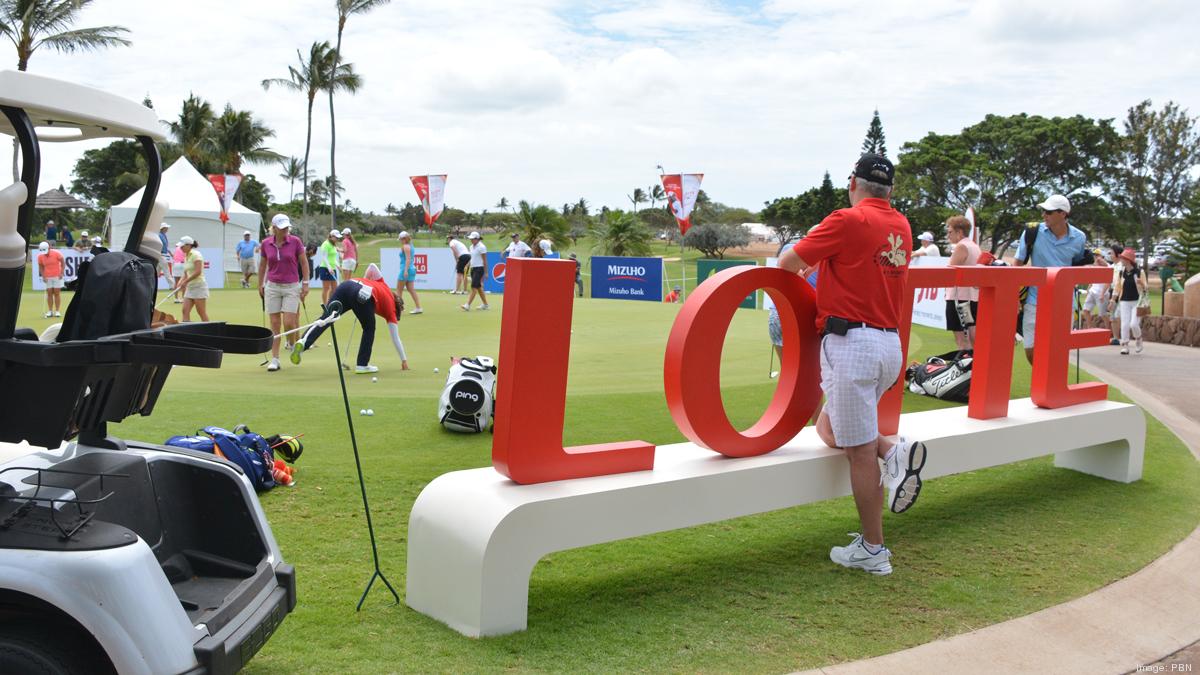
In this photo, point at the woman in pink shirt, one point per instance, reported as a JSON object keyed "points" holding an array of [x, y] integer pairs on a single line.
{"points": [[349, 253], [178, 269]]}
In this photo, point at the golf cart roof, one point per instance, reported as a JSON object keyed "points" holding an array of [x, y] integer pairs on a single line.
{"points": [[63, 111]]}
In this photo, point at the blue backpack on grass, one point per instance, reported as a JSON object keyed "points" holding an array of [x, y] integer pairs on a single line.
{"points": [[248, 450]]}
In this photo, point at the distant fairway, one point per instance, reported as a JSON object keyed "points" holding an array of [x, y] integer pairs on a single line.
{"points": [[755, 594]]}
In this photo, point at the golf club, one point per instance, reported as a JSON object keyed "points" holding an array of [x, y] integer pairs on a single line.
{"points": [[166, 297], [349, 343], [771, 368]]}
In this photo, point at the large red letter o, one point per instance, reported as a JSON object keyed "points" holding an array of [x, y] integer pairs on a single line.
{"points": [[692, 371]]}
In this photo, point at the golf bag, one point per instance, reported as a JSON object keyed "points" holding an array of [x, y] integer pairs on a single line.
{"points": [[466, 404], [947, 376]]}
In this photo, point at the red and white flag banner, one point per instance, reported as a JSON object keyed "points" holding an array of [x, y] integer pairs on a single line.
{"points": [[682, 189], [226, 186], [431, 190]]}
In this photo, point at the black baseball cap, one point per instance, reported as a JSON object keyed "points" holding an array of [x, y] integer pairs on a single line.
{"points": [[875, 168]]}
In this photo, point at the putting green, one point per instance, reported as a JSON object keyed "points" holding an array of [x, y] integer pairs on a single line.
{"points": [[755, 594]]}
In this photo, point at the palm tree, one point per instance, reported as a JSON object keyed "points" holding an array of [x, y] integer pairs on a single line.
{"points": [[622, 234], [656, 194], [334, 186], [638, 197], [293, 170], [236, 137], [346, 8], [503, 204], [581, 207], [191, 130], [30, 24], [308, 79], [540, 221]]}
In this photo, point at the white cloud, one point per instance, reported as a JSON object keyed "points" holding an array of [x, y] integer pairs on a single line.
{"points": [[551, 100]]}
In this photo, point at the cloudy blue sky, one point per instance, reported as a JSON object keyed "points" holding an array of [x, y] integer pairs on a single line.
{"points": [[550, 100]]}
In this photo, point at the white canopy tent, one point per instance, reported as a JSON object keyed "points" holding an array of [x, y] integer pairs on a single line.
{"points": [[194, 211]]}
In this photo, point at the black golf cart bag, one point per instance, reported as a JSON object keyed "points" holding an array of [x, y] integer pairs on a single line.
{"points": [[946, 376], [467, 404]]}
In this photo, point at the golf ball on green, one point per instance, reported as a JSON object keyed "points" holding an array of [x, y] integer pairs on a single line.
{"points": [[435, 370], [374, 379], [370, 413]]}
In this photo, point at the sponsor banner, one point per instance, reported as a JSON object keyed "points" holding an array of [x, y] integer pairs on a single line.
{"points": [[493, 276], [435, 267], [627, 278], [706, 267], [682, 189], [929, 304], [431, 190], [214, 268]]}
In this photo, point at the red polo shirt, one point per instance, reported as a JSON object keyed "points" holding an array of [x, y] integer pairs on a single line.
{"points": [[385, 306], [864, 253]]}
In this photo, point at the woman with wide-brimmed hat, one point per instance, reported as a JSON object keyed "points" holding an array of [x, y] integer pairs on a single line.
{"points": [[1128, 292]]}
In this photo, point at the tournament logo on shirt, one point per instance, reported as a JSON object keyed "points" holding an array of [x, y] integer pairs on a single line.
{"points": [[893, 254]]}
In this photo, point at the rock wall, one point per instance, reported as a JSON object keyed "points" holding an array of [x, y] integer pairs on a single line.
{"points": [[1175, 330]]}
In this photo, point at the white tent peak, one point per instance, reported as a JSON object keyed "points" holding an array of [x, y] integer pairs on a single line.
{"points": [[185, 189]]}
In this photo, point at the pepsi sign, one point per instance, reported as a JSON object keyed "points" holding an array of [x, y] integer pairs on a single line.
{"points": [[627, 278], [494, 270]]}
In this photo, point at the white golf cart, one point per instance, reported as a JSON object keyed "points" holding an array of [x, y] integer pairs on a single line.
{"points": [[115, 556]]}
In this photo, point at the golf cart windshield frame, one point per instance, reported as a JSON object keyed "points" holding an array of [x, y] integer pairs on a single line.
{"points": [[12, 281]]}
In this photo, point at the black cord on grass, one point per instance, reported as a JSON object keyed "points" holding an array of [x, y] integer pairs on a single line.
{"points": [[336, 307]]}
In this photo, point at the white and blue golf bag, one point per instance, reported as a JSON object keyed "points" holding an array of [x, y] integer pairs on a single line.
{"points": [[467, 402]]}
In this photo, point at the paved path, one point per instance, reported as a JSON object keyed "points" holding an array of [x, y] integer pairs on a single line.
{"points": [[1136, 621]]}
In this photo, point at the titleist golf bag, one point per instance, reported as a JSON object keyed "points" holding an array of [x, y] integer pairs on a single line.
{"points": [[466, 404], [947, 376]]}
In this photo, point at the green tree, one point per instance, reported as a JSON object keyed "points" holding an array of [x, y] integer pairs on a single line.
{"points": [[308, 77], [345, 9], [108, 175], [32, 24], [713, 239], [1157, 154], [621, 234], [1186, 251], [535, 222], [254, 195], [638, 197], [791, 217], [293, 170], [656, 194], [1003, 166], [236, 137], [190, 130], [875, 141]]}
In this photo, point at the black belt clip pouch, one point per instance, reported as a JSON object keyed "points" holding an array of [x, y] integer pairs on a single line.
{"points": [[836, 325]]}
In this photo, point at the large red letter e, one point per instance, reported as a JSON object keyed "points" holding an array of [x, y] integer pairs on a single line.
{"points": [[1055, 339]]}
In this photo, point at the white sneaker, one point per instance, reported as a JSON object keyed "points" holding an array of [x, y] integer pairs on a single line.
{"points": [[484, 307], [273, 365], [1124, 347], [1138, 348], [417, 311], [58, 314], [362, 370], [47, 315], [902, 474], [465, 308], [856, 556]]}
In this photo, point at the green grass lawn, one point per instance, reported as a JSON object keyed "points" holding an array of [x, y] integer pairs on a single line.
{"points": [[755, 594]]}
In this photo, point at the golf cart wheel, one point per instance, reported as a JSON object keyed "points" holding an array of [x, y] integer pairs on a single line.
{"points": [[40, 650]]}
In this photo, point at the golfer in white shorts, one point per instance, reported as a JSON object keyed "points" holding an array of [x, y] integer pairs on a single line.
{"points": [[864, 252]]}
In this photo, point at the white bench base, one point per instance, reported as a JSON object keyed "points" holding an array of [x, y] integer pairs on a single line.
{"points": [[474, 536]]}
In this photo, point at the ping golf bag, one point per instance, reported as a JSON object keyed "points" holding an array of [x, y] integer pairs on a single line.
{"points": [[947, 376], [466, 404]]}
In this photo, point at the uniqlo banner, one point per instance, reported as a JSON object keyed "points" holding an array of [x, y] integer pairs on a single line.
{"points": [[681, 192], [435, 267], [226, 186], [431, 190]]}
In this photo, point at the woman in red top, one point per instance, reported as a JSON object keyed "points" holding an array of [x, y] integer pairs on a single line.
{"points": [[50, 268], [365, 297]]}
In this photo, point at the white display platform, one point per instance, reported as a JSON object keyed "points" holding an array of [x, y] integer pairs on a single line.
{"points": [[474, 536]]}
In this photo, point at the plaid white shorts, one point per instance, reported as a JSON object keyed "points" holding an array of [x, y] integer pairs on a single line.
{"points": [[856, 369]]}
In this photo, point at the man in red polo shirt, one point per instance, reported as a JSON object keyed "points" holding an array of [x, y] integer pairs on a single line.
{"points": [[864, 253]]}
